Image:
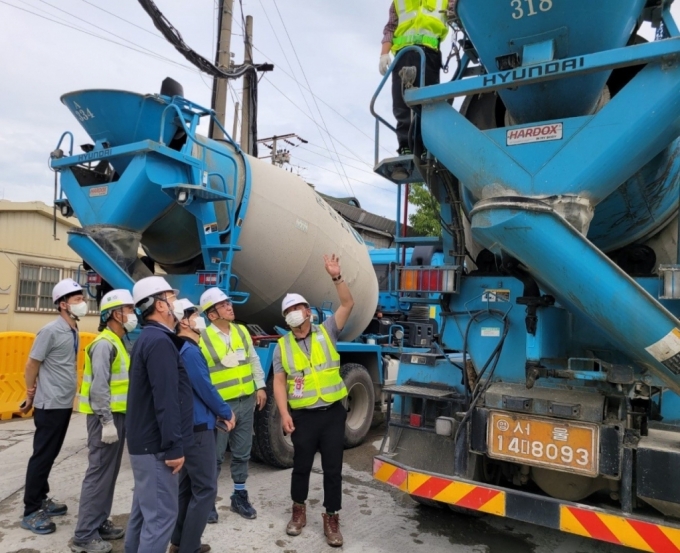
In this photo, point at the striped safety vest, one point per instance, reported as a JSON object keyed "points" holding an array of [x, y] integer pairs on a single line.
{"points": [[421, 22], [230, 382], [120, 378], [320, 371]]}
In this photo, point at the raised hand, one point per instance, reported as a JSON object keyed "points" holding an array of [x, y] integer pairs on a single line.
{"points": [[332, 265]]}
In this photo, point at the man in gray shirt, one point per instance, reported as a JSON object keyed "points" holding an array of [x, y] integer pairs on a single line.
{"points": [[50, 376]]}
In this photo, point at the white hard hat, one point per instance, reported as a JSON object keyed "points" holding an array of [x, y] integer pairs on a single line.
{"points": [[290, 300], [64, 288], [150, 286], [212, 296], [116, 298], [186, 304]]}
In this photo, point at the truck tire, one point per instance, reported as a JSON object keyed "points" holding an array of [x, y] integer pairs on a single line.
{"points": [[273, 446], [255, 453], [360, 403]]}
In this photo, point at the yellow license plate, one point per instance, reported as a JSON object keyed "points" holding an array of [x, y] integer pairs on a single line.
{"points": [[567, 446]]}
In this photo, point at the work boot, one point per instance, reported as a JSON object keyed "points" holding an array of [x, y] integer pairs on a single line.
{"points": [[52, 508], [298, 520], [331, 527], [39, 523], [175, 548], [109, 531], [92, 546], [241, 505], [404, 151]]}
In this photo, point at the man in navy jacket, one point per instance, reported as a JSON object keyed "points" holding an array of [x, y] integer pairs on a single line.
{"points": [[198, 479], [159, 421]]}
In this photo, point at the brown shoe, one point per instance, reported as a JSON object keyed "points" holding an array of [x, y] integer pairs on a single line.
{"points": [[175, 548], [298, 520], [331, 527]]}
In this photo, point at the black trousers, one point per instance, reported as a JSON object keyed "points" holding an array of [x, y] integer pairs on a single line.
{"points": [[323, 431], [402, 113], [50, 430]]}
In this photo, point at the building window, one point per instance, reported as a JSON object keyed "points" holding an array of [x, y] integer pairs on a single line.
{"points": [[36, 283]]}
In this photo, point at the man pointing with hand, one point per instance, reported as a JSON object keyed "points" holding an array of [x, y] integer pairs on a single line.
{"points": [[307, 378]]}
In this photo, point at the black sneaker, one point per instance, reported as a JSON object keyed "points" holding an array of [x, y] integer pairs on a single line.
{"points": [[92, 546], [241, 505], [38, 523], [52, 508], [109, 531]]}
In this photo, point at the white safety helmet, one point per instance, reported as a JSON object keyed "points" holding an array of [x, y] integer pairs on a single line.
{"points": [[211, 297], [186, 304], [148, 287], [116, 298], [64, 288], [290, 300]]}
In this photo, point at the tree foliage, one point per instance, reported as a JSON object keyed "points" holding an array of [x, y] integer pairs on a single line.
{"points": [[425, 221]]}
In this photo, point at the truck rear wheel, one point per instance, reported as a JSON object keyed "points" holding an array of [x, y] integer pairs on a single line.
{"points": [[360, 403], [273, 446]]}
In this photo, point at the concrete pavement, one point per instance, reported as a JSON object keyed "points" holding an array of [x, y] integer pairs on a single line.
{"points": [[374, 518]]}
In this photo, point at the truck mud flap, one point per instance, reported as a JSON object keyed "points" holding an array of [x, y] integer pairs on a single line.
{"points": [[644, 534]]}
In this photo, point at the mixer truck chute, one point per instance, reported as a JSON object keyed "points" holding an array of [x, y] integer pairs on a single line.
{"points": [[552, 392]]}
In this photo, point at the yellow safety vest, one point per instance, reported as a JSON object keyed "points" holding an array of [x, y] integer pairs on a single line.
{"points": [[421, 22], [230, 382], [320, 371], [119, 375]]}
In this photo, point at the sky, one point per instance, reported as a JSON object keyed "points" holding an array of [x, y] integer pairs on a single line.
{"points": [[326, 71]]}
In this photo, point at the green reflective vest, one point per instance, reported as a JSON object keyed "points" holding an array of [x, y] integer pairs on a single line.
{"points": [[230, 382], [320, 372], [119, 375], [421, 22]]}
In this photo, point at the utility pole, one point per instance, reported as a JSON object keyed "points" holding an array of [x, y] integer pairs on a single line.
{"points": [[223, 61], [246, 111], [279, 157], [237, 106]]}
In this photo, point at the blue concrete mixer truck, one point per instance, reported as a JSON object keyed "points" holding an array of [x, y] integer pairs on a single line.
{"points": [[552, 392], [155, 197]]}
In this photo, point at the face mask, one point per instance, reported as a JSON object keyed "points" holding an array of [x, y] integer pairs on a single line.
{"points": [[295, 318], [131, 323], [177, 311], [78, 309], [199, 324]]}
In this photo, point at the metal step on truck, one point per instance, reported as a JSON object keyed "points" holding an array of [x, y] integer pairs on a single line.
{"points": [[551, 394]]}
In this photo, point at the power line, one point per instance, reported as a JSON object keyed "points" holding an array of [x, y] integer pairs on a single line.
{"points": [[309, 86], [336, 173], [328, 157], [85, 31], [353, 158], [123, 19], [310, 118], [304, 97]]}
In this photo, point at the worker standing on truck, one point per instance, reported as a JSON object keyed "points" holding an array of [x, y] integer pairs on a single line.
{"points": [[51, 380], [413, 23], [307, 378], [160, 419], [198, 479], [236, 372], [103, 396]]}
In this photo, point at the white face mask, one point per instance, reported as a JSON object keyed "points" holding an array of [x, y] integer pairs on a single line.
{"points": [[199, 324], [295, 318], [177, 311], [131, 323], [78, 309]]}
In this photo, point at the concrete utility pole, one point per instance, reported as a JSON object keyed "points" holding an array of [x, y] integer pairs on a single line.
{"points": [[237, 107], [246, 112], [223, 61], [279, 157]]}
